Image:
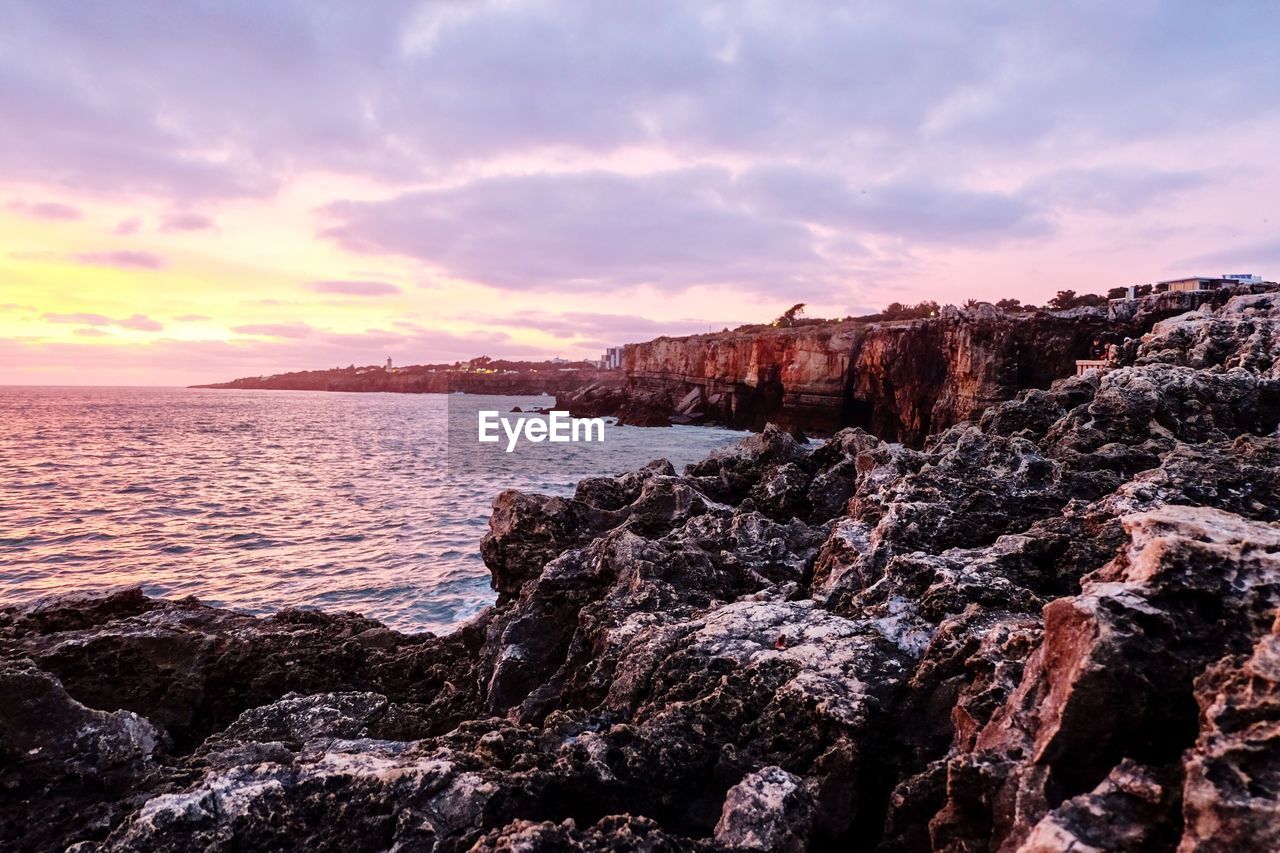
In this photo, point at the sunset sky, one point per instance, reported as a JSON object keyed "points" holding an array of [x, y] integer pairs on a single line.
{"points": [[191, 192]]}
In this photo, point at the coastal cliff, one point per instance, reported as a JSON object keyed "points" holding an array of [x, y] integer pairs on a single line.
{"points": [[1054, 627], [900, 380]]}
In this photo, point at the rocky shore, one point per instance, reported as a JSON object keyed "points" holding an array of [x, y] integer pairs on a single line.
{"points": [[1052, 626]]}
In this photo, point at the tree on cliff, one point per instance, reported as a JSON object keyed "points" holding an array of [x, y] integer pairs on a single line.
{"points": [[1066, 299], [898, 311], [788, 318]]}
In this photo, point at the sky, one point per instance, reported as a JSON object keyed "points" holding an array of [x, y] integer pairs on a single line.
{"points": [[191, 192]]}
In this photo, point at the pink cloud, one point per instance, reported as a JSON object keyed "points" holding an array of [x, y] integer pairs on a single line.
{"points": [[138, 322], [80, 318], [274, 330], [355, 288], [141, 323], [51, 210], [121, 259], [185, 221]]}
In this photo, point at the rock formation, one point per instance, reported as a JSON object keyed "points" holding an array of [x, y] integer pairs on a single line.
{"points": [[901, 381], [1053, 626]]}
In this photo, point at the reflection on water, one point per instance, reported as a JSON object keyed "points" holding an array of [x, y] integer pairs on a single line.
{"points": [[264, 499]]}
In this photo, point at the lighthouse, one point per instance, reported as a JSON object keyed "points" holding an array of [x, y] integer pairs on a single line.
{"points": [[388, 364]]}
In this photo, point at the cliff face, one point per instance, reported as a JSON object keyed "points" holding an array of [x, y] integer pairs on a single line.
{"points": [[898, 380]]}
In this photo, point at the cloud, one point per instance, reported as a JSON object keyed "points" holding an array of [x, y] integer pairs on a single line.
{"points": [[275, 330], [141, 323], [83, 319], [807, 151], [583, 232], [1261, 257], [413, 90], [592, 329], [1112, 189], [925, 213], [186, 221], [121, 259], [355, 288], [92, 333], [50, 210], [191, 318], [138, 322]]}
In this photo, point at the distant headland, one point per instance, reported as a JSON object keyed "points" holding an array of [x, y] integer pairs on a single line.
{"points": [[481, 375]]}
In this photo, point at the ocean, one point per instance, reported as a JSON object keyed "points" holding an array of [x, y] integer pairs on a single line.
{"points": [[259, 500]]}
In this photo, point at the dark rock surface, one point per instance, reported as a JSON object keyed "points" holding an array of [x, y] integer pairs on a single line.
{"points": [[1051, 627]]}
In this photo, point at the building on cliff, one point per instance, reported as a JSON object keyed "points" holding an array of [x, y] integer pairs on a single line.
{"points": [[1179, 285], [1084, 365], [612, 359]]}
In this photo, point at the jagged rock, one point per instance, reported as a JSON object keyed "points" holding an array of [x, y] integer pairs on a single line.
{"points": [[593, 400], [1244, 334], [782, 492], [1195, 584], [1231, 799], [357, 795], [191, 669], [614, 493], [66, 770], [294, 720], [527, 531], [768, 810], [1131, 811], [616, 832]]}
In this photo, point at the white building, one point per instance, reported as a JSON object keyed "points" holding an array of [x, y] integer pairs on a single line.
{"points": [[612, 359]]}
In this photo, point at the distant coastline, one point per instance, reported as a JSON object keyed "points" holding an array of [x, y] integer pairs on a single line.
{"points": [[478, 376]]}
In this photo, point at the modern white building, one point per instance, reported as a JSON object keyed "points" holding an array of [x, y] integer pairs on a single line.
{"points": [[612, 359], [1179, 285], [1207, 283]]}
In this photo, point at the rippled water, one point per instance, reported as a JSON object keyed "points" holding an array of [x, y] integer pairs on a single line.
{"points": [[263, 499]]}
